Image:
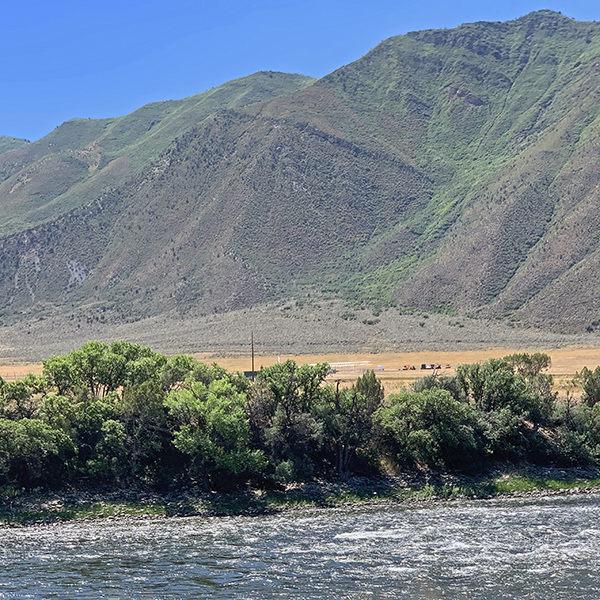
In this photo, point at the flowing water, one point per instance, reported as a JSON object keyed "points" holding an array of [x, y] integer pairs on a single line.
{"points": [[546, 548]]}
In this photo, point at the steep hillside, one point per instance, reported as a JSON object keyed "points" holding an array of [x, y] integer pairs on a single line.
{"points": [[83, 158], [450, 170], [195, 232], [8, 143]]}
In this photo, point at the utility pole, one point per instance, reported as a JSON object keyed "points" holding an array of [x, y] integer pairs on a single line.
{"points": [[252, 342]]}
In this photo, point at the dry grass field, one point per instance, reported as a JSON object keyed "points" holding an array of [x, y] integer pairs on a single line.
{"points": [[12, 371], [565, 363], [310, 334]]}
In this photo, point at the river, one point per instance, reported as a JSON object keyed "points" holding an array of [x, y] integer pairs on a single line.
{"points": [[546, 548]]}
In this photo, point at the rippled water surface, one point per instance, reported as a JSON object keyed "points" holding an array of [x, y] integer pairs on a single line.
{"points": [[544, 548]]}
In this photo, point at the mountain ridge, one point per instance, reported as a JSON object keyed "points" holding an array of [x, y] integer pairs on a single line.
{"points": [[7, 143], [84, 157], [446, 170]]}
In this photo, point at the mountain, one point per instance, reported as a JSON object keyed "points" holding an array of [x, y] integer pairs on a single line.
{"points": [[9, 143], [446, 170], [82, 158]]}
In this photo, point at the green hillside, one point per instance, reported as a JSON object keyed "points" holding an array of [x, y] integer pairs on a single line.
{"points": [[451, 170], [8, 143], [83, 158]]}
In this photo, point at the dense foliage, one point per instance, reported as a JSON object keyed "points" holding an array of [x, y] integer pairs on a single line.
{"points": [[121, 414]]}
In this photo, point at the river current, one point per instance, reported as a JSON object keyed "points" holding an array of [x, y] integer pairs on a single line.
{"points": [[546, 548]]}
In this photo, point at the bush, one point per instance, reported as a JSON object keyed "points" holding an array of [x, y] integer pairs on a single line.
{"points": [[590, 382], [428, 428], [33, 453]]}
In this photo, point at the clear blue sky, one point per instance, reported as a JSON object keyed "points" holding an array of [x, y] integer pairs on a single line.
{"points": [[105, 58]]}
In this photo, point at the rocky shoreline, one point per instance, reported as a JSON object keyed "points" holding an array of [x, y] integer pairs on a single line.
{"points": [[44, 506]]}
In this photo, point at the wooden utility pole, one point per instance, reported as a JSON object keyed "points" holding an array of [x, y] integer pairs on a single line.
{"points": [[252, 342]]}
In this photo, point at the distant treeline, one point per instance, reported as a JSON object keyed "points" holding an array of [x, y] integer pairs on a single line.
{"points": [[120, 414]]}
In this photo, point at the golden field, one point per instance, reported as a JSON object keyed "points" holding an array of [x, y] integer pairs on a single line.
{"points": [[565, 363]]}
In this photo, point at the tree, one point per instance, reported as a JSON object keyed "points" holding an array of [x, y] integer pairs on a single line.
{"points": [[58, 412], [443, 382], [211, 428], [529, 365], [295, 388], [510, 396], [58, 373], [492, 385], [370, 387], [427, 428], [285, 398], [110, 458], [176, 370], [590, 382], [540, 392], [143, 415], [100, 368], [348, 418], [20, 398], [90, 416]]}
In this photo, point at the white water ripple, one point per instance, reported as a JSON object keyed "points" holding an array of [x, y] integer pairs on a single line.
{"points": [[538, 549]]}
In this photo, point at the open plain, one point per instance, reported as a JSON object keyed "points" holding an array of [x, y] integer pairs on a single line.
{"points": [[566, 362], [308, 332]]}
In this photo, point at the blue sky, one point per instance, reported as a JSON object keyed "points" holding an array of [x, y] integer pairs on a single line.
{"points": [[66, 59]]}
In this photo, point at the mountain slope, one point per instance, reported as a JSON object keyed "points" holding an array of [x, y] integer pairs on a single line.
{"points": [[83, 158], [8, 143], [444, 170]]}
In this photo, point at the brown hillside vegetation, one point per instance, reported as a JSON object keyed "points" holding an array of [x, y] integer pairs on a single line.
{"points": [[287, 328]]}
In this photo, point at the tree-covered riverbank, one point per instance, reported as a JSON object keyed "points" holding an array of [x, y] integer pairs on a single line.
{"points": [[120, 416], [415, 488]]}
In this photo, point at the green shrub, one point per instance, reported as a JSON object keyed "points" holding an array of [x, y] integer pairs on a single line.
{"points": [[32, 453], [428, 428]]}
